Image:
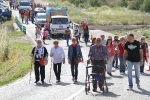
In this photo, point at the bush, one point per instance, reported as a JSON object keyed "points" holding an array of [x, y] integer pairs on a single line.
{"points": [[135, 4], [90, 9], [123, 3], [145, 6]]}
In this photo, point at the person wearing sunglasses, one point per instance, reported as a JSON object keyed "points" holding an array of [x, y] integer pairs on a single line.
{"points": [[98, 55], [144, 47], [58, 56], [38, 53], [74, 57]]}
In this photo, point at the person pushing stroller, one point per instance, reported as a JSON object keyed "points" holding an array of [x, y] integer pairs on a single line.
{"points": [[98, 55]]}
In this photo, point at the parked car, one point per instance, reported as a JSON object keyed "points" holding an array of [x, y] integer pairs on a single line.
{"points": [[2, 1], [40, 19], [6, 13], [3, 5], [39, 10]]}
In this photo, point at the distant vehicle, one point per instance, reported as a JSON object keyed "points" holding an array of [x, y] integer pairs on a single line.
{"points": [[2, 1], [58, 19], [3, 5], [6, 13], [24, 4], [39, 10], [40, 19]]}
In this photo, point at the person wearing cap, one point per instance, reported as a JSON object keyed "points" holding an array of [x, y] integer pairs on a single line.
{"points": [[76, 33], [111, 52], [67, 35], [38, 53], [103, 40], [98, 55], [144, 47], [74, 57]]}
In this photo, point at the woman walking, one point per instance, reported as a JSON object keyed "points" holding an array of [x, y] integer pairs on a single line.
{"points": [[39, 53], [111, 52], [144, 47], [58, 55], [74, 57], [86, 35], [44, 34], [120, 54], [76, 33], [38, 32]]}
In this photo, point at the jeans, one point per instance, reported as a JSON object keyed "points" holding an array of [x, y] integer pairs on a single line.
{"points": [[137, 72], [122, 67], [57, 70], [115, 61], [74, 70], [22, 18], [109, 64], [42, 71], [67, 38], [142, 67], [32, 19], [26, 20], [86, 38]]}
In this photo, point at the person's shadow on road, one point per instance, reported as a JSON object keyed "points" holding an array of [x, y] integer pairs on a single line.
{"points": [[62, 83], [142, 92], [44, 84]]}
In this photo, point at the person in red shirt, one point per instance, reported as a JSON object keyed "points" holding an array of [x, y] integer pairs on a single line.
{"points": [[111, 51], [120, 53]]}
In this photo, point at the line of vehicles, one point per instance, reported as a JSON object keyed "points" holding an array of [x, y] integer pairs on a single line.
{"points": [[5, 11], [56, 16]]}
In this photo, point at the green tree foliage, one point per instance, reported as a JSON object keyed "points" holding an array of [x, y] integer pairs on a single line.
{"points": [[145, 6], [135, 4]]}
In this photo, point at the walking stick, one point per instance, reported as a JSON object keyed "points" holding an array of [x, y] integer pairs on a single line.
{"points": [[31, 69], [50, 71]]}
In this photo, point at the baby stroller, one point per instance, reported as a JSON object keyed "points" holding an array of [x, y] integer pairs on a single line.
{"points": [[96, 76]]}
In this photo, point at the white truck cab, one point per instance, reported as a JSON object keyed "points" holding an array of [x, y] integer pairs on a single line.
{"points": [[24, 4], [58, 24]]}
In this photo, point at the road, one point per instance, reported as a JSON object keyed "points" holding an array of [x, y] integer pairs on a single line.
{"points": [[67, 89]]}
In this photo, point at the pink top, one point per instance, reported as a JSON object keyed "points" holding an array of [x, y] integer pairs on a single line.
{"points": [[44, 34]]}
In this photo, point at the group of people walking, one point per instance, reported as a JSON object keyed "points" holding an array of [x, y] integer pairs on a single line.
{"points": [[107, 53]]}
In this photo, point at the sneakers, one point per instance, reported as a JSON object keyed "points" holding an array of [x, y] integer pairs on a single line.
{"points": [[72, 78], [94, 90], [75, 80], [138, 86], [130, 88], [109, 73]]}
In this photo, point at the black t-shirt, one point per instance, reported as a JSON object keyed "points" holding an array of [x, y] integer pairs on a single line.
{"points": [[133, 51], [74, 54]]}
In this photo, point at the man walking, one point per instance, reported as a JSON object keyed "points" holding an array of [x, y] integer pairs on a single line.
{"points": [[103, 40], [67, 35], [98, 55], [133, 54]]}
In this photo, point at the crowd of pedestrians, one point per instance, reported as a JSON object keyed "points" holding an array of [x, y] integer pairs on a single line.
{"points": [[102, 52]]}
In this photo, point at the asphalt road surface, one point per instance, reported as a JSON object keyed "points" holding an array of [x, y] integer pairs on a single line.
{"points": [[67, 89]]}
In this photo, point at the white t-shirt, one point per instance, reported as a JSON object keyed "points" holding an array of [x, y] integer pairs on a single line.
{"points": [[76, 32], [58, 54]]}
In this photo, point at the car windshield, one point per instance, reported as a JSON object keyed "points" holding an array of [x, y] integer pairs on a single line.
{"points": [[60, 20], [41, 17], [24, 4]]}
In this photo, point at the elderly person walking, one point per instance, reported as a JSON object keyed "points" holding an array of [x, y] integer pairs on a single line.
{"points": [[144, 47], [39, 53], [111, 52], [98, 55], [58, 56], [74, 57]]}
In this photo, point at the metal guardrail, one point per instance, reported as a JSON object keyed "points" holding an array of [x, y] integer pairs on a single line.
{"points": [[22, 28]]}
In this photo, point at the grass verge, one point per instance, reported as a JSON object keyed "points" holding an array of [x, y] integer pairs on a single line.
{"points": [[17, 62], [8, 22], [104, 15]]}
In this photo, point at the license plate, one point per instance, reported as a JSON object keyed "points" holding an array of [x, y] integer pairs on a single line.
{"points": [[60, 26]]}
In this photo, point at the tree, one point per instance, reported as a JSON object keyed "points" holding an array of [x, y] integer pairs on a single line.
{"points": [[145, 6]]}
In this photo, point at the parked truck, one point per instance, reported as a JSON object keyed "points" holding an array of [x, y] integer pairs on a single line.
{"points": [[58, 19]]}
